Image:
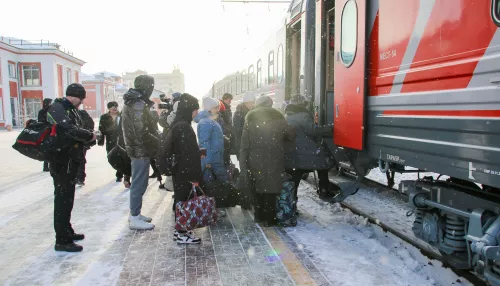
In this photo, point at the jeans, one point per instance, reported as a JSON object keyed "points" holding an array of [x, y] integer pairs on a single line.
{"points": [[64, 176], [140, 177]]}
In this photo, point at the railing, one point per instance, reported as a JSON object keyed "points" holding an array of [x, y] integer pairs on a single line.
{"points": [[21, 42]]}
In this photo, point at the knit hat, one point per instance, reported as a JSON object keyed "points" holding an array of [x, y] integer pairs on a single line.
{"points": [[298, 100], [112, 104], [248, 97], [264, 101], [209, 103], [188, 102], [76, 90], [47, 102]]}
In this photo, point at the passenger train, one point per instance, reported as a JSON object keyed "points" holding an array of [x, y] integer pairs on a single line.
{"points": [[409, 85]]}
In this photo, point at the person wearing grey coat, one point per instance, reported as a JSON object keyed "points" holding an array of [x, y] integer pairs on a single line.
{"points": [[306, 153]]}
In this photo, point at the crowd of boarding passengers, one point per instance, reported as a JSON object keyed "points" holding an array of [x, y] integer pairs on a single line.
{"points": [[267, 142]]}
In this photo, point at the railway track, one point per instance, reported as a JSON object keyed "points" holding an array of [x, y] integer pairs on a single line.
{"points": [[408, 237]]}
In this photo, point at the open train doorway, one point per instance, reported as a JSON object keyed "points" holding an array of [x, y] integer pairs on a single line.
{"points": [[329, 64], [293, 41]]}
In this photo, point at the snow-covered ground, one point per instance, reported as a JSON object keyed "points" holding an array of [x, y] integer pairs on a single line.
{"points": [[344, 248]]}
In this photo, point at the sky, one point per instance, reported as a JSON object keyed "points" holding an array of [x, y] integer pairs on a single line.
{"points": [[207, 39]]}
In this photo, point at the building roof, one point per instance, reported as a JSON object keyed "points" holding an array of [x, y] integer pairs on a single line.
{"points": [[29, 46]]}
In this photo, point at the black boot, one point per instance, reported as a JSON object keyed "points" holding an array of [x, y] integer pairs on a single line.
{"points": [[154, 175], [68, 247], [118, 180], [77, 236]]}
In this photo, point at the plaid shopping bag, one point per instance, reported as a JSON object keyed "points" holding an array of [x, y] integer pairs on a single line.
{"points": [[196, 212]]}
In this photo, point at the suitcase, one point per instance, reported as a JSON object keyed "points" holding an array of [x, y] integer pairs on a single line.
{"points": [[286, 206], [225, 194]]}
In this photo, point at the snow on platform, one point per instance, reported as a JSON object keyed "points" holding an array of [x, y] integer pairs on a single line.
{"points": [[330, 246]]}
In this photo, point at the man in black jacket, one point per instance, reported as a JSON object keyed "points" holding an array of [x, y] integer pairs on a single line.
{"points": [[42, 117], [227, 118], [141, 142], [108, 126], [88, 124], [63, 169]]}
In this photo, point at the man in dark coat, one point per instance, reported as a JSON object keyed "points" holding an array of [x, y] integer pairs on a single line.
{"points": [[42, 117], [63, 169], [239, 120], [307, 153], [108, 126], [262, 156], [227, 126], [141, 141], [88, 124], [181, 143]]}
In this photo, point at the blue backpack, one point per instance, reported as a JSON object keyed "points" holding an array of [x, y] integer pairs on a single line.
{"points": [[285, 203]]}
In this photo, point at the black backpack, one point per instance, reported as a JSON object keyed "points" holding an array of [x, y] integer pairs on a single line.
{"points": [[33, 140]]}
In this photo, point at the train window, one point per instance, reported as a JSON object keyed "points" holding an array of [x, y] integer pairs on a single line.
{"points": [[243, 81], [279, 63], [349, 33], [250, 77], [259, 73], [270, 68], [495, 11]]}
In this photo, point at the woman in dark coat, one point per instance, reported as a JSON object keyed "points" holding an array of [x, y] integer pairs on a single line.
{"points": [[262, 156], [42, 117], [306, 153], [182, 144]]}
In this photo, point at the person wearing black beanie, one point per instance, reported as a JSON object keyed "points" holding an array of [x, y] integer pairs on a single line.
{"points": [[182, 144], [63, 113]]}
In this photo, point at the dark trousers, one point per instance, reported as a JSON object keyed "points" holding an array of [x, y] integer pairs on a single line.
{"points": [[108, 149], [155, 170], [265, 208], [46, 166], [81, 168], [64, 176], [297, 177]]}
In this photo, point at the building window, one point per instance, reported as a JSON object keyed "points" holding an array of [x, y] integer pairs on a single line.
{"points": [[32, 106], [250, 78], [279, 63], [259, 73], [12, 70], [270, 68], [349, 33], [31, 75], [1, 109], [495, 11], [68, 77]]}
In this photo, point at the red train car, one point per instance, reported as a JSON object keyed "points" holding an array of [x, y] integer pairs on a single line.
{"points": [[413, 83]]}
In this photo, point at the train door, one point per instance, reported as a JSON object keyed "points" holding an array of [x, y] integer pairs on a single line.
{"points": [[350, 71], [329, 62], [293, 59]]}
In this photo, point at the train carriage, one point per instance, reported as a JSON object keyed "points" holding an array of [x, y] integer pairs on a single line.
{"points": [[412, 83]]}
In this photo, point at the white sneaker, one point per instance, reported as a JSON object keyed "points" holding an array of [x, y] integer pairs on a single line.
{"points": [[176, 234], [186, 238], [222, 213], [136, 223], [143, 218]]}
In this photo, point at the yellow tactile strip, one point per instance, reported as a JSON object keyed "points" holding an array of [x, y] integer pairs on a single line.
{"points": [[293, 265]]}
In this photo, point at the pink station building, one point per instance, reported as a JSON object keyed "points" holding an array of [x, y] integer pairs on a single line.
{"points": [[29, 72]]}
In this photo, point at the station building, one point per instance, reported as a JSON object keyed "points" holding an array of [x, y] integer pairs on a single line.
{"points": [[29, 72]]}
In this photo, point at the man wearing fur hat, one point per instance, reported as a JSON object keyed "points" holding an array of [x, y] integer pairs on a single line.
{"points": [[262, 156]]}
